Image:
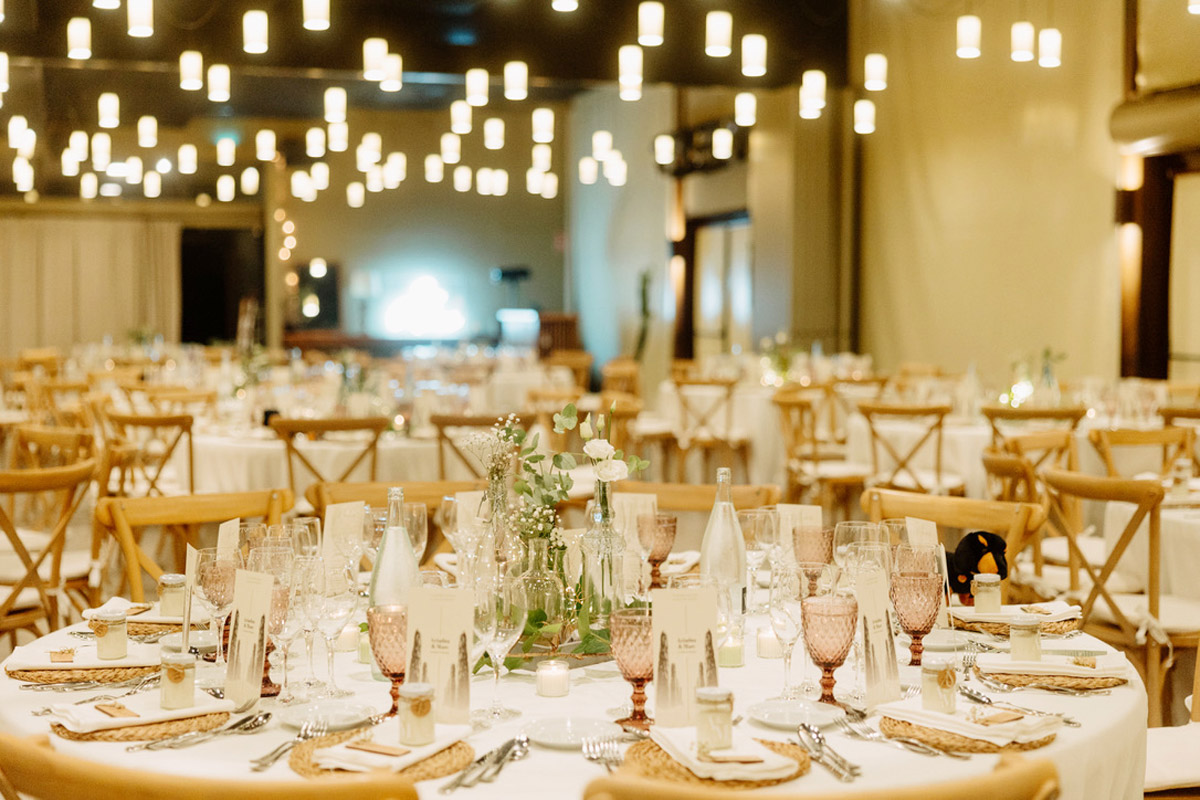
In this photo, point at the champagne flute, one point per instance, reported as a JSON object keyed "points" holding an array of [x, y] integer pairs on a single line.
{"points": [[416, 523], [215, 574], [511, 614], [339, 601], [759, 527], [374, 525], [312, 601]]}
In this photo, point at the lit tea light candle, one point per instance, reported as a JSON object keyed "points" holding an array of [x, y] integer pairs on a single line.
{"points": [[553, 678], [1025, 638], [178, 681], [111, 641], [170, 594], [732, 651], [768, 644]]}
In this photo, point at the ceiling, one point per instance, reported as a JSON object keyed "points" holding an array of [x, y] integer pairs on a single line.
{"points": [[439, 40]]}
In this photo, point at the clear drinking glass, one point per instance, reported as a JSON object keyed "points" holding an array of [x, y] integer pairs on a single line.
{"points": [[416, 523], [846, 533], [511, 614], [215, 574], [277, 562], [338, 603], [310, 597], [307, 533], [759, 531]]}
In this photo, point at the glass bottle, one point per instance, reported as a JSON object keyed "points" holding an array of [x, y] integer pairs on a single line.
{"points": [[396, 570], [543, 590], [604, 566], [723, 551]]}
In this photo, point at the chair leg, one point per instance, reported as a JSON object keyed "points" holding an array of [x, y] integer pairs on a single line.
{"points": [[1154, 685]]}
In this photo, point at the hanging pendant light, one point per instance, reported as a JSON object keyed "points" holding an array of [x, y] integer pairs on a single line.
{"points": [[250, 180], [101, 151], [89, 186], [255, 26], [373, 143], [79, 38], [542, 156], [462, 178], [651, 19], [722, 144], [589, 170], [140, 15], [375, 50], [70, 165], [549, 186], [499, 182], [718, 34], [316, 15], [107, 5], [374, 179], [543, 125], [664, 149], [301, 185], [356, 194], [77, 143], [435, 170], [28, 143], [152, 184], [1022, 41], [335, 104], [187, 159], [133, 170], [970, 34], [338, 140], [616, 171], [745, 109], [147, 131], [314, 143], [264, 145], [516, 80], [875, 68], [533, 180], [451, 148], [319, 172], [218, 83], [226, 151], [364, 159], [393, 73], [484, 181], [602, 143], [191, 70], [629, 72], [493, 133], [477, 87], [4, 82], [460, 117], [812, 93], [16, 126], [226, 188], [1049, 48], [395, 169], [109, 106], [564, 5], [864, 116], [754, 55]]}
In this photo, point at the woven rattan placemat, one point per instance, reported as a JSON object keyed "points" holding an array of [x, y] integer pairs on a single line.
{"points": [[445, 762], [651, 761], [952, 741], [1065, 681], [145, 733], [1001, 628], [99, 675]]}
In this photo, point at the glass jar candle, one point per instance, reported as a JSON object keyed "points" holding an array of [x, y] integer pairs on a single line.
{"points": [[170, 594], [553, 678], [985, 588], [714, 719], [416, 714], [178, 680], [938, 682], [111, 641], [1025, 639], [1181, 473]]}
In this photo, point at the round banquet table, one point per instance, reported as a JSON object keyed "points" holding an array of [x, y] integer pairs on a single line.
{"points": [[1105, 758]]}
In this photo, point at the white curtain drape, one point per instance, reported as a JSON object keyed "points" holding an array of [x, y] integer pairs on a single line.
{"points": [[72, 279]]}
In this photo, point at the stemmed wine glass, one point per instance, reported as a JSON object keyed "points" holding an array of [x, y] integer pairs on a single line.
{"points": [[307, 533], [215, 574], [416, 523], [633, 649], [830, 620], [339, 601], [387, 628], [311, 601], [276, 562], [846, 533], [656, 534], [504, 592], [759, 530], [916, 592], [374, 526], [790, 585], [250, 536]]}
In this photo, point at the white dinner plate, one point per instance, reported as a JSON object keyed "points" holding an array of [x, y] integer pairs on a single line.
{"points": [[337, 714], [568, 733], [788, 714], [204, 641]]}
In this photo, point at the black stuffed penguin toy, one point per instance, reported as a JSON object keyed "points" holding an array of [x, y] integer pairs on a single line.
{"points": [[977, 552]]}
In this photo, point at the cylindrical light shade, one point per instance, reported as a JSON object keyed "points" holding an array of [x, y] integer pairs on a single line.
{"points": [[650, 23], [542, 156], [301, 184], [254, 31], [78, 145], [314, 143], [483, 181], [1194, 6], [460, 117], [629, 64], [477, 87], [191, 70], [1050, 47], [79, 38], [462, 178], [589, 170], [133, 170], [147, 131], [493, 133], [373, 144], [395, 169], [28, 143], [109, 107], [629, 90], [16, 124], [363, 158], [564, 5], [611, 164], [718, 34], [335, 104], [140, 14], [226, 188], [4, 82], [543, 125], [316, 15], [754, 55], [722, 143], [533, 180], [435, 170], [264, 145], [864, 116], [812, 93], [616, 171], [393, 73], [875, 72], [318, 268], [602, 142], [22, 174], [70, 165], [107, 5], [152, 184], [970, 34], [549, 186], [664, 149], [374, 178], [319, 171], [339, 137], [516, 80], [375, 52], [451, 148], [356, 194], [745, 109], [187, 159], [499, 182], [218, 83], [89, 186], [226, 151], [1022, 41], [250, 179]]}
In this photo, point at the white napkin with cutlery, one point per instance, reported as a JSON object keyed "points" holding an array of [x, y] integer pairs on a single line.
{"points": [[344, 757], [36, 655], [88, 718], [1027, 728], [1054, 611], [1112, 665], [680, 744]]}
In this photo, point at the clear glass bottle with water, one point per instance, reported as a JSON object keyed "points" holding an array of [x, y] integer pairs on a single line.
{"points": [[723, 551], [396, 569]]}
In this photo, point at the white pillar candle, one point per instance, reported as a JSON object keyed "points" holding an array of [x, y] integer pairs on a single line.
{"points": [[111, 641], [178, 681], [768, 644], [732, 652], [553, 678]]}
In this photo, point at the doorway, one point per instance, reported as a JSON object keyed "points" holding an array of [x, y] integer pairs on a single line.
{"points": [[722, 286], [218, 267]]}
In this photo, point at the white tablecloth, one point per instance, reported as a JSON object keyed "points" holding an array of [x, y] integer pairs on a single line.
{"points": [[1179, 531], [1102, 759]]}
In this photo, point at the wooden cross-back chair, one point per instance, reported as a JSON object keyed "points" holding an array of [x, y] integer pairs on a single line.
{"points": [[840, 399], [41, 447], [180, 517], [47, 358], [57, 402], [314, 429], [706, 423], [176, 400], [543, 402], [900, 470], [32, 570], [808, 463], [621, 375], [1183, 417], [147, 442], [1175, 442], [447, 425], [1007, 421], [1134, 622], [700, 496], [578, 361]]}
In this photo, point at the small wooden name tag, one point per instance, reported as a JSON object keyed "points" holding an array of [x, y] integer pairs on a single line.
{"points": [[379, 749], [731, 758], [64, 656], [998, 718], [138, 608], [115, 710]]}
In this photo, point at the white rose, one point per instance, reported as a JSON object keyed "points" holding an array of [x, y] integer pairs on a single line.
{"points": [[598, 449], [612, 470]]}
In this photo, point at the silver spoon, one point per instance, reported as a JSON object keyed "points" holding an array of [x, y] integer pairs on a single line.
{"points": [[977, 696], [257, 721]]}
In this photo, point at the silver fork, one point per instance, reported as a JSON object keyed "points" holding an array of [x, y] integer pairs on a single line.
{"points": [[311, 729], [863, 732], [611, 752], [593, 750]]}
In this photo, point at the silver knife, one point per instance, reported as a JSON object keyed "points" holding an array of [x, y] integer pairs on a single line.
{"points": [[1076, 653], [469, 771], [495, 765], [816, 750]]}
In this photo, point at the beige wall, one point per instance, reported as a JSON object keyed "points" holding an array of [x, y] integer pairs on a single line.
{"points": [[1168, 45]]}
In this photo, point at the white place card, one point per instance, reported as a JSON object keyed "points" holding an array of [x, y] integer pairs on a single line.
{"points": [[340, 517], [227, 537], [879, 648], [685, 651], [472, 509], [921, 532], [189, 574], [440, 623], [627, 507], [248, 637]]}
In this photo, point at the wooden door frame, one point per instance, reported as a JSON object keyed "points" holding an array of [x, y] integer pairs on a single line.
{"points": [[685, 316]]}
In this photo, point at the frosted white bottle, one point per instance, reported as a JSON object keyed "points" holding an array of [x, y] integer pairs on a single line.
{"points": [[723, 550]]}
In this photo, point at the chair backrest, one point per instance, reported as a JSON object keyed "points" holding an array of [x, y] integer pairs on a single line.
{"points": [[155, 436], [49, 446], [121, 516], [705, 407], [841, 398], [700, 497], [33, 768], [578, 361], [56, 402], [798, 425], [69, 484], [446, 424], [182, 400], [621, 375], [48, 358], [1175, 443], [889, 472], [288, 429], [1014, 778]]}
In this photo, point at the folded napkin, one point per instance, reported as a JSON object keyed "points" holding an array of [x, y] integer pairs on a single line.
{"points": [[1112, 665], [448, 562], [88, 718], [1054, 611], [344, 757], [680, 562], [1025, 729], [150, 615], [680, 744], [36, 655]]}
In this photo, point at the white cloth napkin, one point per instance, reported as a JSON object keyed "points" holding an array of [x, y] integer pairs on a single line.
{"points": [[680, 563], [680, 744], [1112, 665], [153, 615], [36, 655], [1025, 729], [342, 757], [87, 719], [1056, 611], [1171, 757]]}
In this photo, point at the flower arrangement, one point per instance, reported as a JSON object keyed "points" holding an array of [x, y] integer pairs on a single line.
{"points": [[777, 356]]}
